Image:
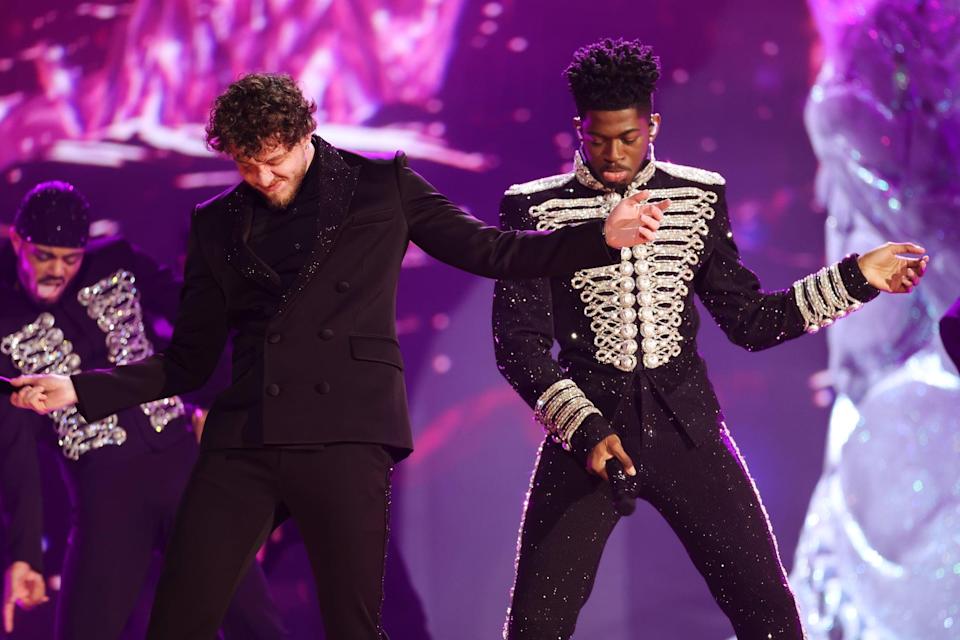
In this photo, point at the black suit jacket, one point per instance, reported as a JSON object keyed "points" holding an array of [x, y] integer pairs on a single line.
{"points": [[320, 362], [696, 243], [950, 332]]}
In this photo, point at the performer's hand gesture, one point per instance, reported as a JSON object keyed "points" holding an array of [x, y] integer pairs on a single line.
{"points": [[609, 447], [633, 222], [886, 270], [43, 393], [21, 586]]}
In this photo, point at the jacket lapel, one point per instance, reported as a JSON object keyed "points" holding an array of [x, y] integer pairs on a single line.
{"points": [[337, 183], [239, 254]]}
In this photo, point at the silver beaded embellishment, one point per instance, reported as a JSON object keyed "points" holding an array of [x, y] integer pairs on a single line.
{"points": [[822, 298], [536, 186], [40, 347], [114, 303], [636, 306], [562, 408]]}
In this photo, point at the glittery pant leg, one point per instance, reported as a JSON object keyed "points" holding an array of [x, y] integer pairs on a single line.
{"points": [[568, 518], [708, 498]]}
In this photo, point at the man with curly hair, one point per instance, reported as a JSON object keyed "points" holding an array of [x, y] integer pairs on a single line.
{"points": [[628, 398], [299, 262]]}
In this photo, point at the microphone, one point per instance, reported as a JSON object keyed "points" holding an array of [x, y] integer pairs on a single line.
{"points": [[625, 488]]}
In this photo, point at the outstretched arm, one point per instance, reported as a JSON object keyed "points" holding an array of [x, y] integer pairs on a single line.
{"points": [[451, 235], [757, 319]]}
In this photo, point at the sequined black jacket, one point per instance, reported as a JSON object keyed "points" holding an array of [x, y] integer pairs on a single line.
{"points": [[78, 331], [636, 316], [320, 362]]}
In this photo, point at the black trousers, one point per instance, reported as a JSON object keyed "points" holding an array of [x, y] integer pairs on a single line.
{"points": [[125, 506], [705, 494], [339, 497]]}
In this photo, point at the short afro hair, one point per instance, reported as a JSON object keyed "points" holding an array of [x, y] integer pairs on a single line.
{"points": [[259, 108], [613, 74]]}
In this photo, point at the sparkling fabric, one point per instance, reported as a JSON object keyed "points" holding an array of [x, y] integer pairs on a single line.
{"points": [[54, 214], [337, 181], [40, 347], [664, 410], [114, 302], [706, 495], [879, 557]]}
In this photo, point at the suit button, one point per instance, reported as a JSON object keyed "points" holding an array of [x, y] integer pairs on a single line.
{"points": [[326, 334], [273, 390], [273, 338], [322, 387], [343, 286]]}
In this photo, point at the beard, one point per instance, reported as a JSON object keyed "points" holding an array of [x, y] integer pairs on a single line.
{"points": [[281, 198]]}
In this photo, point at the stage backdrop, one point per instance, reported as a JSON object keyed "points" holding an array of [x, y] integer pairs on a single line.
{"points": [[113, 95]]}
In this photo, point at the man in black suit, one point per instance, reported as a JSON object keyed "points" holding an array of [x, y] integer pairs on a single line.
{"points": [[300, 262], [67, 304], [629, 384], [950, 332]]}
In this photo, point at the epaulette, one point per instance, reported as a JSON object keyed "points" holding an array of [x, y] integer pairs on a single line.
{"points": [[536, 186], [691, 173]]}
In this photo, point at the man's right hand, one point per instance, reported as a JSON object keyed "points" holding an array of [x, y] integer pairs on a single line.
{"points": [[21, 586], [43, 393], [609, 447]]}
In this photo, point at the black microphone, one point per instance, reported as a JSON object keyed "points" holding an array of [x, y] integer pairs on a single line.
{"points": [[625, 488]]}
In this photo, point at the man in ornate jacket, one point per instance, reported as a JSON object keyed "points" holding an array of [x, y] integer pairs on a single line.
{"points": [[69, 304], [628, 383]]}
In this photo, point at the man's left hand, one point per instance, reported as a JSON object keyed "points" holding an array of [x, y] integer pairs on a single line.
{"points": [[888, 270]]}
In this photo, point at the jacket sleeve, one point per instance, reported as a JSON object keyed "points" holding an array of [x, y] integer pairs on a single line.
{"points": [[523, 337], [453, 236], [757, 319], [160, 288], [950, 333], [20, 489], [199, 334]]}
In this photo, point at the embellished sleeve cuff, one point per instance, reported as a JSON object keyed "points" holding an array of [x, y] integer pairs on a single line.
{"points": [[832, 293], [854, 280], [562, 408]]}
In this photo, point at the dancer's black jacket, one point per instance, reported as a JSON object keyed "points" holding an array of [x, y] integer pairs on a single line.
{"points": [[529, 315]]}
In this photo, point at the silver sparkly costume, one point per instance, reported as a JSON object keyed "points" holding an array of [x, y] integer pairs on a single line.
{"points": [[628, 364]]}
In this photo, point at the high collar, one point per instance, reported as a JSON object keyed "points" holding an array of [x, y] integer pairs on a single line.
{"points": [[585, 176]]}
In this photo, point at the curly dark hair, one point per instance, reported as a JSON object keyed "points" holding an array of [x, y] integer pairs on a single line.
{"points": [[613, 74], [256, 109]]}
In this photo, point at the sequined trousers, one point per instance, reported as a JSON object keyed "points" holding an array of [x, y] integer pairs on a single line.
{"points": [[707, 497]]}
